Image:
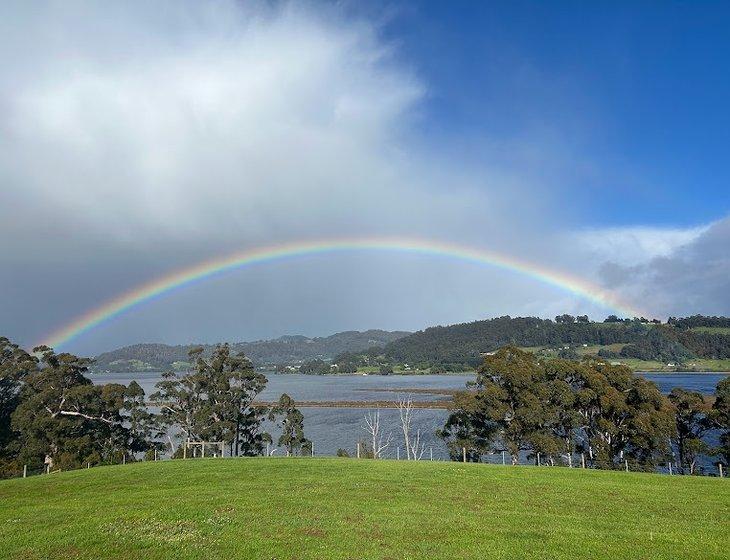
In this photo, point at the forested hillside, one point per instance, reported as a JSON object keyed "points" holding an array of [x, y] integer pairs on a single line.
{"points": [[286, 349], [465, 343]]}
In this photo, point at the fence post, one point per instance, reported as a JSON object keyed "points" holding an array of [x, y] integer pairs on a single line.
{"points": [[626, 463], [88, 465], [583, 460], [124, 459], [397, 453], [268, 453], [155, 454], [463, 453], [504, 462], [185, 450], [25, 471], [312, 449], [670, 467], [538, 458], [358, 449], [720, 465], [570, 459], [432, 453]]}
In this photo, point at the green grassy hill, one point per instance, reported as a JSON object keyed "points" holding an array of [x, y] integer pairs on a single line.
{"points": [[343, 508]]}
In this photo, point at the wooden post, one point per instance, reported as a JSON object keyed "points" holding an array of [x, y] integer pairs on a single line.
{"points": [[570, 460], [124, 459], [463, 453], [358, 449], [202, 446], [720, 465], [397, 453], [312, 449], [626, 463], [670, 467], [432, 453], [268, 453], [185, 450], [538, 458], [583, 460], [155, 454], [504, 461], [25, 471], [88, 465]]}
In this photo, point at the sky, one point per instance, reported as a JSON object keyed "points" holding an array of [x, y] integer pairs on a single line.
{"points": [[139, 138]]}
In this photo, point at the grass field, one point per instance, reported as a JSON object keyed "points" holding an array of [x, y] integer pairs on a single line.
{"points": [[345, 508], [716, 330], [693, 364]]}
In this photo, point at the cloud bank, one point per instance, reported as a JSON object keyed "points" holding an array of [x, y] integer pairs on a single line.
{"points": [[139, 137]]}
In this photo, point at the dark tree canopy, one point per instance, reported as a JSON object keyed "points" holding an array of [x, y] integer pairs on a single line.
{"points": [[560, 407], [214, 401], [292, 426], [64, 421]]}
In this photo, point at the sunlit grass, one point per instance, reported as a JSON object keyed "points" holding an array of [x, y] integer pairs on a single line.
{"points": [[345, 508]]}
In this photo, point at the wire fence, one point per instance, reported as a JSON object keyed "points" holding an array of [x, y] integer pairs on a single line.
{"points": [[216, 450]]}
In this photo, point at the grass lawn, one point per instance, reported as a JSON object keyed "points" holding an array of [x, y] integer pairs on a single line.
{"points": [[344, 508]]}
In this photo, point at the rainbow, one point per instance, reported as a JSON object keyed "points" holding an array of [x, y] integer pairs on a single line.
{"points": [[203, 271]]}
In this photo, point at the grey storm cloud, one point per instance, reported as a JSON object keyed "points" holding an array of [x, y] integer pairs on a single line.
{"points": [[694, 277]]}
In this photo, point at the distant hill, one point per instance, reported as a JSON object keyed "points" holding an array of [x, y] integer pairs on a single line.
{"points": [[283, 350], [678, 341]]}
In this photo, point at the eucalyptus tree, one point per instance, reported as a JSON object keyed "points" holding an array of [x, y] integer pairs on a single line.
{"points": [[721, 418], [468, 430], [554, 408], [513, 393], [15, 364], [292, 426], [623, 417], [693, 421], [215, 401], [65, 421]]}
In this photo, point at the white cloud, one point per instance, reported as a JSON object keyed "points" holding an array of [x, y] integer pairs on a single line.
{"points": [[671, 272], [634, 245]]}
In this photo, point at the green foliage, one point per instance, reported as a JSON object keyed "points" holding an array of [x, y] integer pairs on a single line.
{"points": [[15, 366], [559, 407], [692, 420], [720, 417], [466, 343], [61, 419], [315, 367], [660, 343], [292, 426], [214, 401]]}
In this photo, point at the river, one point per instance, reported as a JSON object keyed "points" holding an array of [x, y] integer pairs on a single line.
{"points": [[340, 428]]}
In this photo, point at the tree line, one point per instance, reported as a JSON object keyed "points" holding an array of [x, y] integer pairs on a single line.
{"points": [[53, 417], [462, 345], [561, 409]]}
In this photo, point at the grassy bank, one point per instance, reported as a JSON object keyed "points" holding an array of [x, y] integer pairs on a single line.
{"points": [[340, 508]]}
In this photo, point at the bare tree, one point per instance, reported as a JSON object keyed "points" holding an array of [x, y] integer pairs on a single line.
{"points": [[372, 427], [414, 448]]}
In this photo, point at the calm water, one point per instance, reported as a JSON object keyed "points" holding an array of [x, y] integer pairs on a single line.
{"points": [[334, 428]]}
